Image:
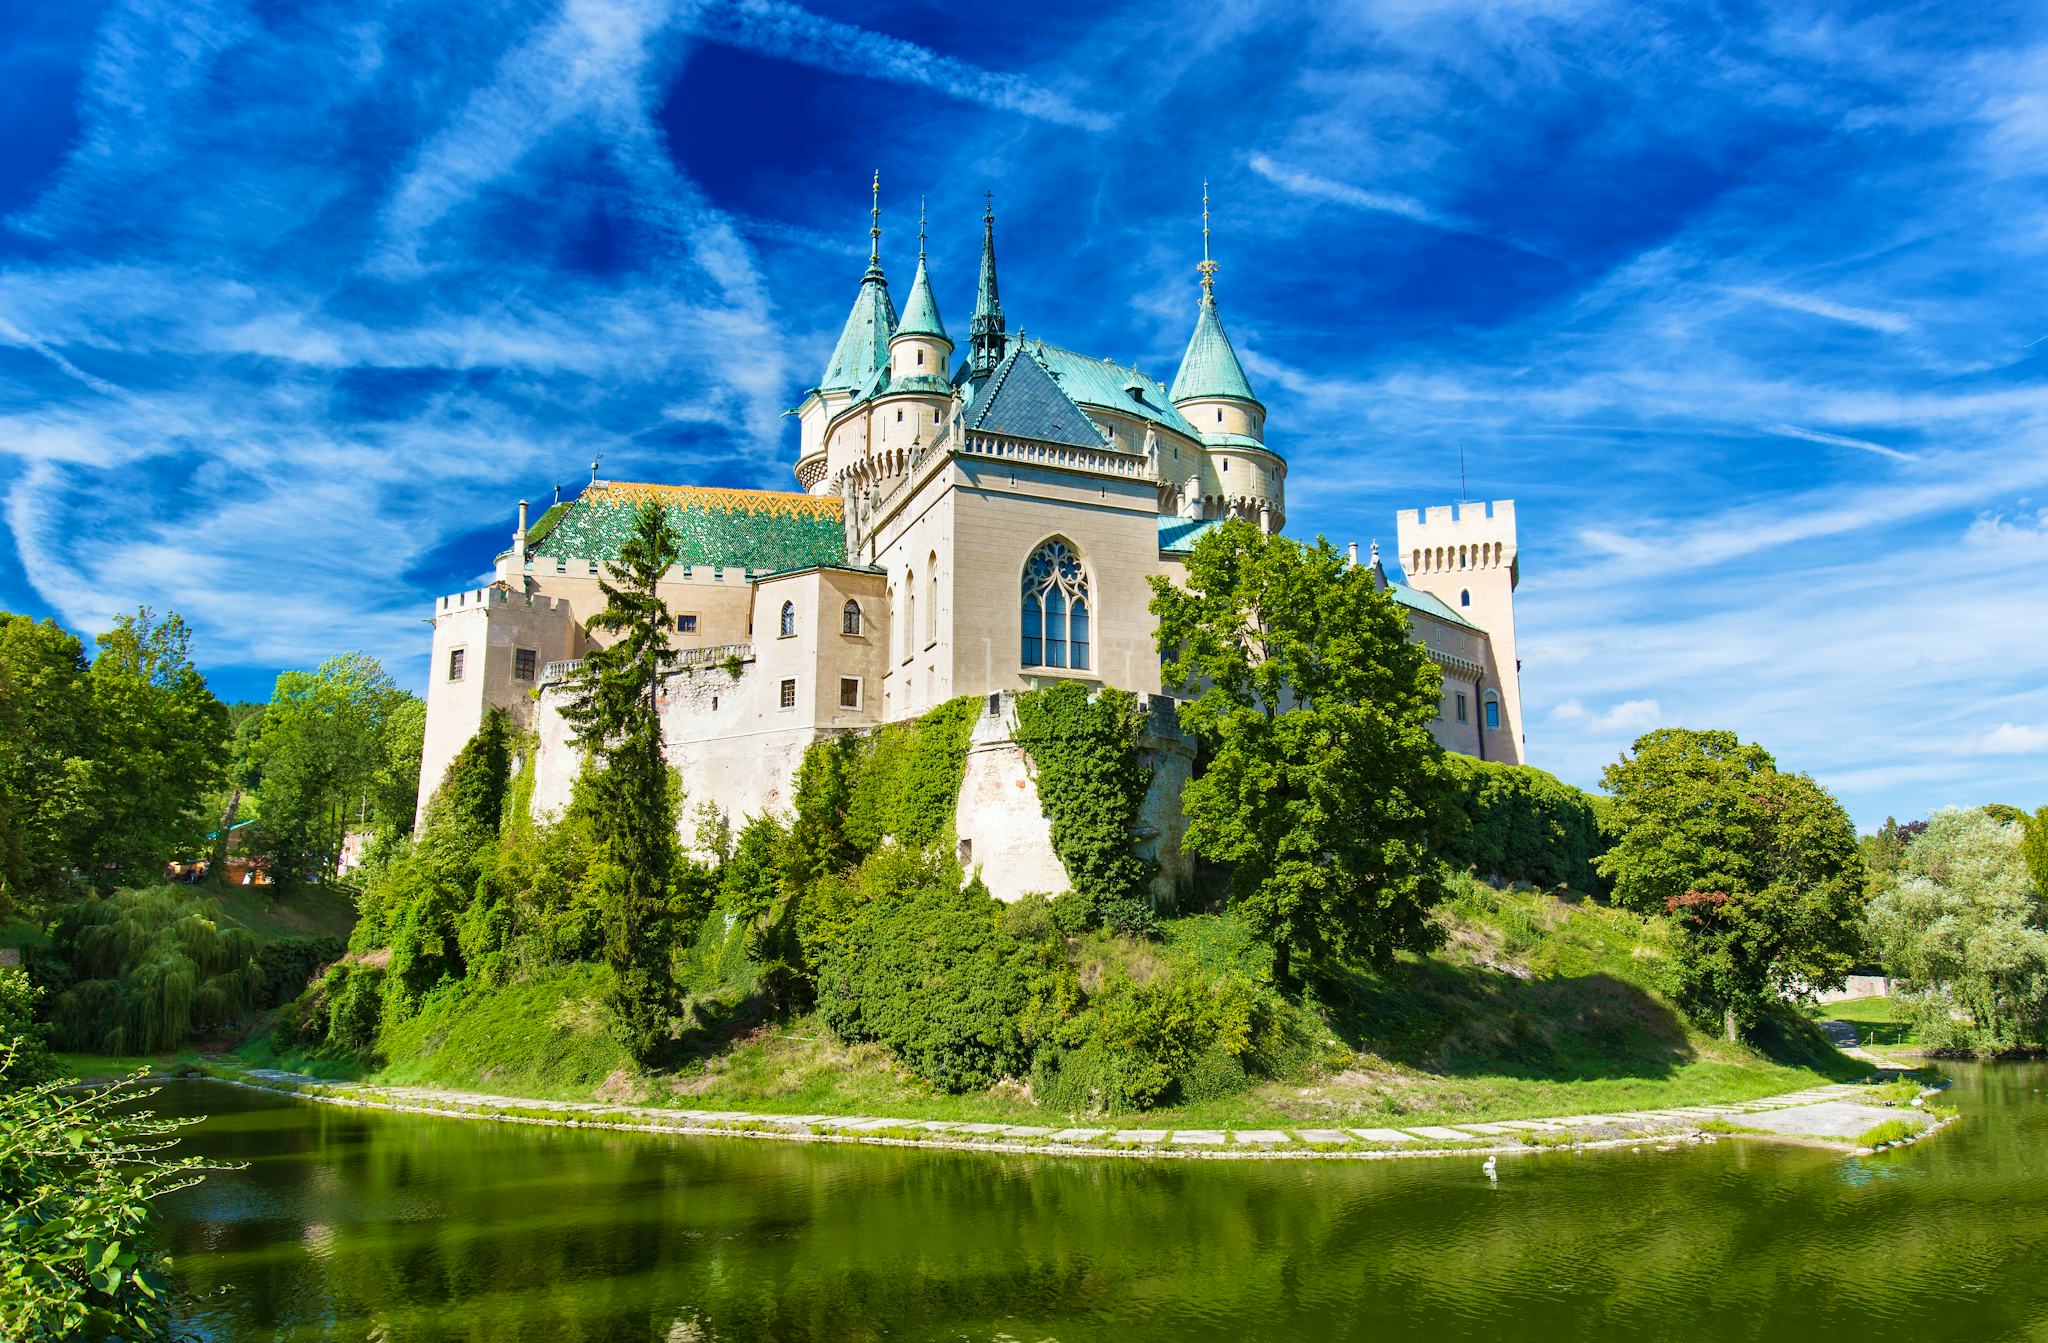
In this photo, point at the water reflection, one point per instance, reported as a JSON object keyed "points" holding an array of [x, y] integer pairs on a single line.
{"points": [[353, 1225]]}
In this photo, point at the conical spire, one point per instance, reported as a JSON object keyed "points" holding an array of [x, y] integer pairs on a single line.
{"points": [[985, 331], [1210, 367], [921, 309], [864, 341]]}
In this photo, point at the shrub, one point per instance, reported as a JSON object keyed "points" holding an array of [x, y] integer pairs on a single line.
{"points": [[19, 1031], [1891, 1130], [1136, 1045], [1523, 825], [1091, 785], [290, 964], [355, 1006], [928, 972]]}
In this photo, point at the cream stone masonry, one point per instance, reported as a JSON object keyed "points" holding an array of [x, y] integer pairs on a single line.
{"points": [[972, 522]]}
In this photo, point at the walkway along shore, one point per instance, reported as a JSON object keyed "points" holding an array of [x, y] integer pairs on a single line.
{"points": [[1829, 1115]]}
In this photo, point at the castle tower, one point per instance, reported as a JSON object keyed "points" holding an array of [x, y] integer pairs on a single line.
{"points": [[861, 352], [920, 349], [985, 334], [1245, 478], [1464, 555]]}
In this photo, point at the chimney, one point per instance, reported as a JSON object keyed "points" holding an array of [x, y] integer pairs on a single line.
{"points": [[519, 539], [1352, 559]]}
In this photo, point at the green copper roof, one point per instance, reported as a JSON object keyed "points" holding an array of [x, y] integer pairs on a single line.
{"points": [[762, 531], [921, 309], [864, 341], [1428, 603], [1177, 536], [1099, 382], [1022, 400], [1210, 366]]}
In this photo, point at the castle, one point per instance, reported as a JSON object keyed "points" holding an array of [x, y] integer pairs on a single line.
{"points": [[976, 522]]}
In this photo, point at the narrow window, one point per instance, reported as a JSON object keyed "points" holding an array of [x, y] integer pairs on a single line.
{"points": [[523, 661], [849, 692], [920, 358], [789, 693], [1219, 414], [1492, 711], [788, 621], [714, 704], [849, 619], [1465, 597], [1464, 715], [686, 624], [456, 657], [931, 601]]}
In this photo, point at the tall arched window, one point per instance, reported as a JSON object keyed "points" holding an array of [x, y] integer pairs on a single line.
{"points": [[1493, 709], [849, 619], [788, 619], [1056, 608]]}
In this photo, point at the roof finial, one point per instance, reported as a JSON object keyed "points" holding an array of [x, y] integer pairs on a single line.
{"points": [[920, 228], [875, 229], [989, 214], [1208, 267]]}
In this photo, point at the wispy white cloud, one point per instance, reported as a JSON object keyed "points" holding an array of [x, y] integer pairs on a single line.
{"points": [[1343, 193], [1873, 319], [2012, 739], [1838, 441], [1634, 715]]}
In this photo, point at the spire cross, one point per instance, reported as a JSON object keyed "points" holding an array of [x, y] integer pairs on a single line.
{"points": [[989, 202], [1208, 267], [875, 229]]}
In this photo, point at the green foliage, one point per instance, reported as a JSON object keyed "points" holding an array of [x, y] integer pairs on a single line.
{"points": [[105, 767], [149, 970], [328, 745], [634, 797], [1323, 785], [928, 972], [78, 1173], [1523, 825], [1964, 925], [354, 998], [21, 1032], [289, 964], [2034, 849], [903, 781], [1757, 869], [471, 798], [1891, 1130], [1091, 784]]}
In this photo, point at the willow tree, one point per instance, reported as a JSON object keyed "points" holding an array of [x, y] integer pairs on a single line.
{"points": [[1323, 785], [634, 798]]}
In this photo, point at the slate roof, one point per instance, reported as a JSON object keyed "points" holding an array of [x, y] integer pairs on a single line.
{"points": [[1428, 603], [1021, 399], [762, 531], [1210, 367]]}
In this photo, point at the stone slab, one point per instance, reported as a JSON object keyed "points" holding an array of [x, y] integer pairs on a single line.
{"points": [[1077, 1135], [1262, 1137], [1529, 1125], [1025, 1131], [1324, 1135], [1832, 1119], [1204, 1137], [1392, 1135], [1147, 1135], [979, 1128], [1490, 1130], [1441, 1134]]}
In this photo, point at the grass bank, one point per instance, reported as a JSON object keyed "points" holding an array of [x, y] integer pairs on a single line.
{"points": [[1536, 1006]]}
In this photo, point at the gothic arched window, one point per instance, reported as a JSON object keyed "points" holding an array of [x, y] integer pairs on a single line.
{"points": [[788, 619], [1056, 608], [849, 619]]}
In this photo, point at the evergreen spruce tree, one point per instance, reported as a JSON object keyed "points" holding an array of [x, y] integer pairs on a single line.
{"points": [[635, 800]]}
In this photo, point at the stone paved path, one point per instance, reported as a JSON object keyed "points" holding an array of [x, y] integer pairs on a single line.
{"points": [[1825, 1111]]}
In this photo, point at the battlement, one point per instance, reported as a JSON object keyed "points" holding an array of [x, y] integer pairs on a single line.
{"points": [[473, 599], [1449, 537]]}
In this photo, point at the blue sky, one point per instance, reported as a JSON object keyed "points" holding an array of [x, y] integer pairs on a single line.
{"points": [[1742, 303]]}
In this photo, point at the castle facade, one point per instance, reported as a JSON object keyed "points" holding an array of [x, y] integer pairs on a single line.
{"points": [[971, 521]]}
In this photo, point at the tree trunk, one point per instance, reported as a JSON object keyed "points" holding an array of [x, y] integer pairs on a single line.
{"points": [[1728, 1025]]}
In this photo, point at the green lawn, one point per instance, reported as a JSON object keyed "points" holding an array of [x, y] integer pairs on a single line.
{"points": [[109, 1067], [1878, 1021], [1536, 1006]]}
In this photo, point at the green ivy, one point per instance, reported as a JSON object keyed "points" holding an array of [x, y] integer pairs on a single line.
{"points": [[1091, 784], [901, 782], [1522, 824]]}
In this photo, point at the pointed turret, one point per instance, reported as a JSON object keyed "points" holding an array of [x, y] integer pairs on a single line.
{"points": [[863, 346], [1209, 370], [920, 350], [985, 331]]}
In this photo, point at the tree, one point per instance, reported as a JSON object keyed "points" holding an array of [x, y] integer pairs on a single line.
{"points": [[162, 745], [635, 797], [1967, 929], [46, 746], [78, 1174], [2034, 850], [1323, 784], [319, 756], [1758, 870]]}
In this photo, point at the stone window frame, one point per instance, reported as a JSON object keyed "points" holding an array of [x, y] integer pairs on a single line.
{"points": [[786, 697], [851, 618], [525, 663], [458, 663], [858, 687], [786, 628], [686, 622], [1064, 575]]}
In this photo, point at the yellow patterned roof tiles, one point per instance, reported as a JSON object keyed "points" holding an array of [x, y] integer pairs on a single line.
{"points": [[777, 502]]}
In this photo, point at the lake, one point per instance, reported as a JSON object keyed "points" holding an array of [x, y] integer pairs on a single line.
{"points": [[350, 1224]]}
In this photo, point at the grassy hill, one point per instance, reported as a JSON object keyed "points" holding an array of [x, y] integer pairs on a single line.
{"points": [[1536, 1005]]}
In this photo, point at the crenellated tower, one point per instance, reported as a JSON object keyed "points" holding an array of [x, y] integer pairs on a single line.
{"points": [[1464, 555]]}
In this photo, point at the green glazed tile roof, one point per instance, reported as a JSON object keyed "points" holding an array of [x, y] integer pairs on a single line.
{"points": [[766, 531], [1210, 366], [1429, 604], [864, 341], [1022, 400], [1101, 382], [921, 309]]}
